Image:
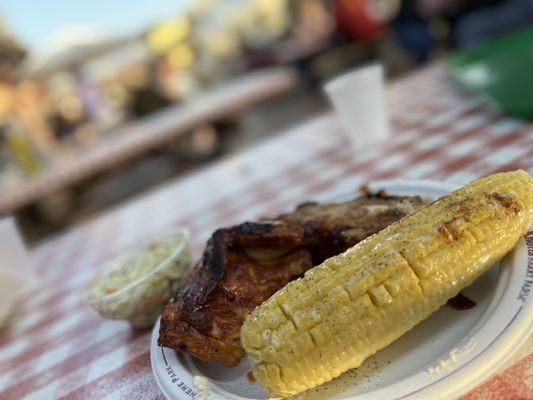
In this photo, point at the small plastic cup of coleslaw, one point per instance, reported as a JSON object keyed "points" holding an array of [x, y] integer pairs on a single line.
{"points": [[137, 285]]}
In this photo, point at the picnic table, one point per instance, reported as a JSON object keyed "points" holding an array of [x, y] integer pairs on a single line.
{"points": [[152, 132], [59, 348]]}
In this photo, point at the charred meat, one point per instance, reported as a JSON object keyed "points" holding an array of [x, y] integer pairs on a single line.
{"points": [[244, 265]]}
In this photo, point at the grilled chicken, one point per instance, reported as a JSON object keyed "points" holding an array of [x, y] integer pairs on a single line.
{"points": [[244, 265]]}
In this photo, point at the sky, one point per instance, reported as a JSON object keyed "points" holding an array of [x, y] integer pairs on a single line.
{"points": [[44, 24]]}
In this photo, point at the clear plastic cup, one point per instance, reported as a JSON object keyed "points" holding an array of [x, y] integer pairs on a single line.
{"points": [[142, 300]]}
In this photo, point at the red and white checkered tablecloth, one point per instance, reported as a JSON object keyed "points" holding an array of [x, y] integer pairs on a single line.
{"points": [[60, 348]]}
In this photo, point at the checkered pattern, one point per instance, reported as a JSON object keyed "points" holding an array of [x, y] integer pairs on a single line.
{"points": [[61, 348]]}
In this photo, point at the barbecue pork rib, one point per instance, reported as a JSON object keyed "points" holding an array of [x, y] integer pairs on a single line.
{"points": [[244, 265]]}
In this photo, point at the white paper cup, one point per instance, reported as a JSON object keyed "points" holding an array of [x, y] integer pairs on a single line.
{"points": [[358, 99]]}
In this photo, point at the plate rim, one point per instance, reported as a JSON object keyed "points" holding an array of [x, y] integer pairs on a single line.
{"points": [[477, 369]]}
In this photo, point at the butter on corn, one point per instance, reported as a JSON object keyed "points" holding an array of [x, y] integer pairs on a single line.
{"points": [[360, 301]]}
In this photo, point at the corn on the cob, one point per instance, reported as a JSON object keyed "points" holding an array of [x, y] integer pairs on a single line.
{"points": [[360, 301]]}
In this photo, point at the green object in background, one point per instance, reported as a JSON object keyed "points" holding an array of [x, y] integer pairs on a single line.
{"points": [[501, 71]]}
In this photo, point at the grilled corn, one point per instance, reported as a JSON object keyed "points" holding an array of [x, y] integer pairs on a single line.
{"points": [[358, 302]]}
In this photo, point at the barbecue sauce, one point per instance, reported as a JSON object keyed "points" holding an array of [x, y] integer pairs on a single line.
{"points": [[461, 302], [251, 378]]}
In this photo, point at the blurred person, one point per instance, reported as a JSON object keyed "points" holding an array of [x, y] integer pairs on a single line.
{"points": [[145, 97], [91, 98], [314, 24], [364, 19], [31, 105], [309, 32], [425, 25], [412, 31], [478, 21], [68, 116], [61, 126], [177, 84]]}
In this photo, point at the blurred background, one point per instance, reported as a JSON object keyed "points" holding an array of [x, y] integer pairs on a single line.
{"points": [[101, 101]]}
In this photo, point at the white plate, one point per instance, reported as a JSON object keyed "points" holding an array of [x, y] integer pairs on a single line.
{"points": [[441, 358]]}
